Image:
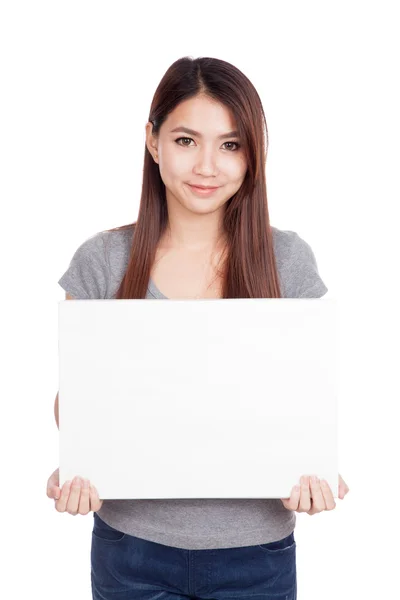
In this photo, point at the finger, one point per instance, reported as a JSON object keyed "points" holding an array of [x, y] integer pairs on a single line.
{"points": [[292, 503], [305, 498], [54, 492], [61, 503], [341, 491], [53, 485], [95, 502], [343, 488], [54, 478], [84, 504], [74, 495], [318, 500], [328, 496]]}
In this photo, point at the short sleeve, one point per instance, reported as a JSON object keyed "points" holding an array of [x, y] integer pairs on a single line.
{"points": [[88, 273], [305, 280]]}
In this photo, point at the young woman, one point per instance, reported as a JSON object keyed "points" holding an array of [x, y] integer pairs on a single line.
{"points": [[202, 231]]}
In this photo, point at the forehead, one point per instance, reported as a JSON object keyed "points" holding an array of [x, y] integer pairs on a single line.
{"points": [[202, 114]]}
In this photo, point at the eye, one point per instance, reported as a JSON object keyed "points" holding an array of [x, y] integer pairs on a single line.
{"points": [[236, 144], [183, 138], [190, 139]]}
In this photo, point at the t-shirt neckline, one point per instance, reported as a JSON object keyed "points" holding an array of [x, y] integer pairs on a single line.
{"points": [[153, 289]]}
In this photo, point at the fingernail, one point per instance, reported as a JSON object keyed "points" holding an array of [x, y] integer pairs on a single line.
{"points": [[314, 478], [77, 481], [86, 483]]}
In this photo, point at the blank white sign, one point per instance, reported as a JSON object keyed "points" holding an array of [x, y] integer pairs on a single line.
{"points": [[226, 398]]}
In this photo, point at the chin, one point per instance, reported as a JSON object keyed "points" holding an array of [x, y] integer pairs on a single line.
{"points": [[204, 207]]}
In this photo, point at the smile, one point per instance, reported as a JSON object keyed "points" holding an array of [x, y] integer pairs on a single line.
{"points": [[202, 191]]}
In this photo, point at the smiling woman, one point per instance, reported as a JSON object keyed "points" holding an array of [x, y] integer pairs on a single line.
{"points": [[202, 231], [204, 186]]}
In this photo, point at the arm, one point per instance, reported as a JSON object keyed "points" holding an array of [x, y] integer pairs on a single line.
{"points": [[56, 411]]}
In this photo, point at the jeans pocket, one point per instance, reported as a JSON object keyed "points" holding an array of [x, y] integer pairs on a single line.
{"points": [[285, 545], [105, 532]]}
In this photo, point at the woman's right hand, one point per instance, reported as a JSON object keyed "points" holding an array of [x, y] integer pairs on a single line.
{"points": [[74, 498]]}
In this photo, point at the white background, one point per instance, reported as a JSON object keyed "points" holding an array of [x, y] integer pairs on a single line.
{"points": [[77, 80]]}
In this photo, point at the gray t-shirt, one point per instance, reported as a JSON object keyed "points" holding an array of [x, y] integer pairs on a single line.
{"points": [[95, 271]]}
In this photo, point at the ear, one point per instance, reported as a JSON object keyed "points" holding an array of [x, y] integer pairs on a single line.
{"points": [[151, 141]]}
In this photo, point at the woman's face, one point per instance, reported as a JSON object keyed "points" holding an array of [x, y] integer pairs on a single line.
{"points": [[208, 157]]}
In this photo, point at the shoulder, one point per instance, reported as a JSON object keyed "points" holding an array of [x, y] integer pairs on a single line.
{"points": [[297, 265], [88, 274], [100, 247], [92, 248], [288, 243], [118, 241]]}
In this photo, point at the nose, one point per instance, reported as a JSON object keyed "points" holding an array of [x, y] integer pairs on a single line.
{"points": [[205, 163]]}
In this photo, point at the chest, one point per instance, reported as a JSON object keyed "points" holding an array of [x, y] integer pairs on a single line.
{"points": [[181, 275]]}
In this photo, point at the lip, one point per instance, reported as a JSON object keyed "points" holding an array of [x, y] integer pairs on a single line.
{"points": [[203, 191]]}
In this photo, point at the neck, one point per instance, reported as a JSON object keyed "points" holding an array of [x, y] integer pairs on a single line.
{"points": [[195, 233]]}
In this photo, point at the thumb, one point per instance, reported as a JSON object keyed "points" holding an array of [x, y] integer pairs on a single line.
{"points": [[53, 491]]}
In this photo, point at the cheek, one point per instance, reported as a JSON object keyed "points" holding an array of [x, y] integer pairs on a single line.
{"points": [[235, 167], [175, 167], [236, 172]]}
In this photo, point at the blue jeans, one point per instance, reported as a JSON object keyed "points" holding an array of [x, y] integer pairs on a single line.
{"points": [[125, 567]]}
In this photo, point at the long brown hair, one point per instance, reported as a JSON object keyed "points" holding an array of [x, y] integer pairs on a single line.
{"points": [[249, 268]]}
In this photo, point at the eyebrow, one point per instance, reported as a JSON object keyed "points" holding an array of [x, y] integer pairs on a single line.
{"points": [[192, 132]]}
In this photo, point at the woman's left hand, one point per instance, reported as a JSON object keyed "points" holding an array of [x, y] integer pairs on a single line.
{"points": [[313, 496]]}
